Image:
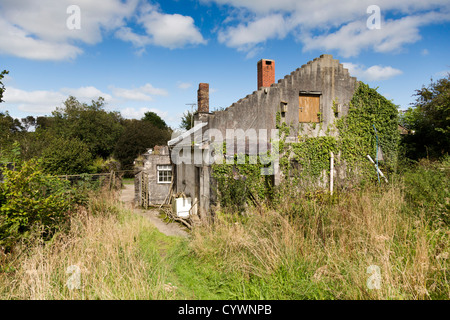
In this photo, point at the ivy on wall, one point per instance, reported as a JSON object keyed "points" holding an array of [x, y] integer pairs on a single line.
{"points": [[241, 184], [357, 135], [309, 158]]}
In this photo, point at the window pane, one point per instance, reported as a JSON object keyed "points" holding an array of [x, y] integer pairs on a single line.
{"points": [[164, 173]]}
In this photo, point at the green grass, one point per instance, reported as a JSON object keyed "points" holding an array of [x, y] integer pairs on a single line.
{"points": [[311, 247], [317, 247], [128, 180]]}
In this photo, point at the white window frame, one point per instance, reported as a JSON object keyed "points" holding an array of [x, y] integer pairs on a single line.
{"points": [[164, 172]]}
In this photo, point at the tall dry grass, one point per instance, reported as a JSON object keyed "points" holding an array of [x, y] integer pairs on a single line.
{"points": [[334, 247], [101, 247]]}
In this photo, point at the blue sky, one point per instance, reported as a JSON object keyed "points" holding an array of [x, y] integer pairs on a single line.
{"points": [[151, 55]]}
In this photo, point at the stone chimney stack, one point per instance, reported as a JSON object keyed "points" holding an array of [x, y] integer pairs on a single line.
{"points": [[266, 73], [203, 98]]}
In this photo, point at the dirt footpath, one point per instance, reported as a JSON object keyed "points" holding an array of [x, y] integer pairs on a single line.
{"points": [[169, 229]]}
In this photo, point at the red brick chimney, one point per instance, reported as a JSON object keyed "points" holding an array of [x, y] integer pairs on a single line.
{"points": [[203, 98], [266, 73]]}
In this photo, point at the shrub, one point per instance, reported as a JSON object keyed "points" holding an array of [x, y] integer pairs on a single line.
{"points": [[29, 200], [66, 156], [427, 187]]}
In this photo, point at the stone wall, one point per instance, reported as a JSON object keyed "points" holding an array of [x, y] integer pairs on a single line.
{"points": [[323, 76], [157, 191]]}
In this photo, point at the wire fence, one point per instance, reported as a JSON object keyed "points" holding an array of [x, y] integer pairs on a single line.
{"points": [[113, 179]]}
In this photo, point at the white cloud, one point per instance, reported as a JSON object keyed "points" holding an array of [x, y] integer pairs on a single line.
{"points": [[354, 37], [38, 29], [134, 113], [254, 32], [184, 85], [127, 34], [373, 73], [38, 101], [143, 93], [166, 30], [18, 42], [329, 24], [45, 101], [86, 93]]}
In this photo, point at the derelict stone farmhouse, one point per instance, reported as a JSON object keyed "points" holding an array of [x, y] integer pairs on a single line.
{"points": [[308, 99]]}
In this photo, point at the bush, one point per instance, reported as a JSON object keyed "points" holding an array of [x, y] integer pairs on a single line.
{"points": [[30, 200], [66, 156], [427, 187]]}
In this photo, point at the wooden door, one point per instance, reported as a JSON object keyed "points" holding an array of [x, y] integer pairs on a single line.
{"points": [[308, 109]]}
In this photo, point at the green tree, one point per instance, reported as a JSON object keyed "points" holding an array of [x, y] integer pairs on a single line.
{"points": [[154, 119], [137, 137], [9, 130], [429, 117], [66, 156], [186, 120], [2, 86], [91, 124]]}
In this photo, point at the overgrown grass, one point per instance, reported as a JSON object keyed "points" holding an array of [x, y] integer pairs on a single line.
{"points": [[312, 246], [128, 181], [104, 244], [324, 251]]}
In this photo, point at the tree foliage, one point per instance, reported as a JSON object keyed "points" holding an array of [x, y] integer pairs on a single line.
{"points": [[186, 120], [96, 127], [155, 120], [2, 87], [9, 127], [66, 156], [31, 199], [137, 137], [429, 117]]}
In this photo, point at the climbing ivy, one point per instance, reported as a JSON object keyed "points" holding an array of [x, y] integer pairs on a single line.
{"points": [[313, 154], [357, 139], [309, 158], [241, 184]]}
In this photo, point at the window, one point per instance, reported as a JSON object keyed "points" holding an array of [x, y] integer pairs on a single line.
{"points": [[164, 173], [283, 109], [309, 107]]}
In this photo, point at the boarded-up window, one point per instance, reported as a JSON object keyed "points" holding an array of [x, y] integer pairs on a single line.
{"points": [[308, 108]]}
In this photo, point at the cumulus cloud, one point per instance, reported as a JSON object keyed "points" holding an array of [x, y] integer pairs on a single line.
{"points": [[184, 85], [38, 29], [45, 101], [143, 93], [254, 32], [373, 73], [166, 30], [354, 37], [86, 93], [138, 113], [38, 101], [329, 24]]}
